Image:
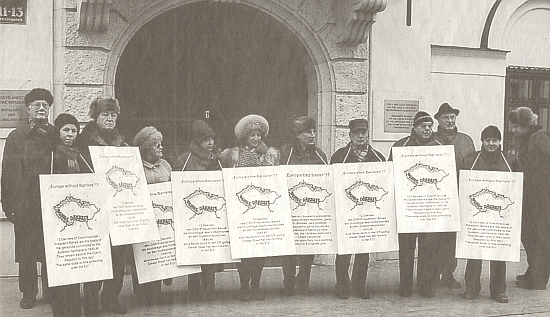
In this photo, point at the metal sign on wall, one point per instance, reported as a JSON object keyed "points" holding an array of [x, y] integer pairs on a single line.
{"points": [[13, 12], [399, 115], [12, 108]]}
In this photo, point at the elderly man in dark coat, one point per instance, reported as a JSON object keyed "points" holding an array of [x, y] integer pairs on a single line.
{"points": [[489, 158], [428, 242], [533, 153], [27, 154], [300, 151], [356, 151], [447, 133]]}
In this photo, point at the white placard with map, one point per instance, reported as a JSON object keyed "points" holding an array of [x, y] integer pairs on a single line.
{"points": [[311, 194], [202, 232], [156, 260], [490, 210], [365, 208], [76, 229], [124, 189], [426, 190], [258, 212]]}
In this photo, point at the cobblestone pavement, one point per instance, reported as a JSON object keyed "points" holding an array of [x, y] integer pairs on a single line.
{"points": [[383, 283]]}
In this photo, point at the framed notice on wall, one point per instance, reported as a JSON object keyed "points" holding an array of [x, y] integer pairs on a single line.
{"points": [[393, 113], [12, 108], [13, 12]]}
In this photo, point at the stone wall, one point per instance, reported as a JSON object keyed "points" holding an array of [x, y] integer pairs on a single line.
{"points": [[85, 60]]}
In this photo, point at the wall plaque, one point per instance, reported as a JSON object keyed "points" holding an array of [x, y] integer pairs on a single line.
{"points": [[13, 12], [399, 115], [12, 108]]}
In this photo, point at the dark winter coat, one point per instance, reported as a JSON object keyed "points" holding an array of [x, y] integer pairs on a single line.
{"points": [[347, 155], [464, 146], [491, 161], [295, 154], [534, 159], [198, 159], [413, 140], [27, 154]]}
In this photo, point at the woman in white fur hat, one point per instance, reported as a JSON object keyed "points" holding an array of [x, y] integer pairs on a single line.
{"points": [[251, 131]]}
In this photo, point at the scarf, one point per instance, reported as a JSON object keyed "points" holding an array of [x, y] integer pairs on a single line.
{"points": [[71, 154]]}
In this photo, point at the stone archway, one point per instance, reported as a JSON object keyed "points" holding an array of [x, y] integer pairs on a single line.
{"points": [[317, 71]]}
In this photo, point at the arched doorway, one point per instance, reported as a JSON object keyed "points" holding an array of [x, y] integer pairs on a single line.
{"points": [[212, 61]]}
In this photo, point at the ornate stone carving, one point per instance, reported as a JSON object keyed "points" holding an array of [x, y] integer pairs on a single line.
{"points": [[94, 15], [354, 18]]}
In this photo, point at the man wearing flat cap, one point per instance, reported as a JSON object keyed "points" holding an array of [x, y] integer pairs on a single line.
{"points": [[27, 154], [447, 133], [357, 150], [300, 151], [428, 243]]}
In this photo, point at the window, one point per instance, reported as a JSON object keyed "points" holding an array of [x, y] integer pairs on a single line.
{"points": [[527, 87]]}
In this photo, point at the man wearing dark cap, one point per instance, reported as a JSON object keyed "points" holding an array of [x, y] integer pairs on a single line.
{"points": [[428, 243], [489, 158], [447, 133], [357, 150], [301, 151], [27, 154]]}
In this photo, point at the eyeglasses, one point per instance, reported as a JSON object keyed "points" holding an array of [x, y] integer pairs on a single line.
{"points": [[40, 104]]}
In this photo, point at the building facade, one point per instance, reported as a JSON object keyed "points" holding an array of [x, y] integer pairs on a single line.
{"points": [[170, 62]]}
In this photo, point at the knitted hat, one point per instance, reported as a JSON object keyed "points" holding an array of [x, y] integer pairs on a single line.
{"points": [[201, 130], [446, 108], [147, 135], [358, 124], [421, 117], [64, 119], [491, 132], [100, 105], [303, 123], [523, 116], [249, 123], [39, 94]]}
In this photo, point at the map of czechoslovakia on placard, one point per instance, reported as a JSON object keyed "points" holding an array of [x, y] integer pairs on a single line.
{"points": [[487, 200], [72, 210], [253, 196], [422, 174], [362, 193], [201, 201], [304, 193]]}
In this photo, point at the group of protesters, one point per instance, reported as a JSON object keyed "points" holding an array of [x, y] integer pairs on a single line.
{"points": [[41, 148]]}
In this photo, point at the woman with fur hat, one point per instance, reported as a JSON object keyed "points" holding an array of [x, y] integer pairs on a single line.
{"points": [[533, 154], [102, 131], [157, 170], [67, 160], [300, 151], [202, 156], [251, 131], [489, 158]]}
